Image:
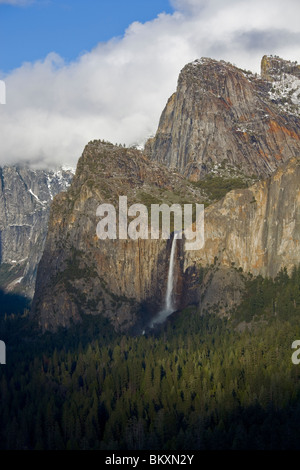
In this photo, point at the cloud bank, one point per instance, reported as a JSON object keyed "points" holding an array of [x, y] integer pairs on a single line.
{"points": [[117, 90]]}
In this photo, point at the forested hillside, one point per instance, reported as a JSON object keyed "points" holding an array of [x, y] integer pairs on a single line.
{"points": [[198, 382]]}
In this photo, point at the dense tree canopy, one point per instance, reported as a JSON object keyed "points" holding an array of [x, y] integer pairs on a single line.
{"points": [[197, 382]]}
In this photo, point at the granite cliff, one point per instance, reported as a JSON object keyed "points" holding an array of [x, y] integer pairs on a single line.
{"points": [[252, 230], [221, 120], [221, 114], [256, 229], [124, 280], [25, 197]]}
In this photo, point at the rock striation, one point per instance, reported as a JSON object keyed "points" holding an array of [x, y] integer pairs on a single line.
{"points": [[222, 114]]}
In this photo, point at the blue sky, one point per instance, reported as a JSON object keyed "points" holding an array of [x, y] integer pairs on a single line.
{"points": [[78, 70], [68, 27]]}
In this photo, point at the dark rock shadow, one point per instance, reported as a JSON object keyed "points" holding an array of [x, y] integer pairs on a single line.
{"points": [[13, 303]]}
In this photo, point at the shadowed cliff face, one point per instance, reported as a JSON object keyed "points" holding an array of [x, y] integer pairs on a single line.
{"points": [[220, 113], [123, 280]]}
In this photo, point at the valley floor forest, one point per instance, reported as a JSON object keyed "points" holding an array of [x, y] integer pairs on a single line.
{"points": [[196, 382]]}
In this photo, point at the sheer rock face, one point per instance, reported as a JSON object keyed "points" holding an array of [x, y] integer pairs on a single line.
{"points": [[220, 113], [123, 280], [25, 197], [257, 229]]}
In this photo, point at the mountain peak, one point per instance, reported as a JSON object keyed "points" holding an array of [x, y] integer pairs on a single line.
{"points": [[221, 114]]}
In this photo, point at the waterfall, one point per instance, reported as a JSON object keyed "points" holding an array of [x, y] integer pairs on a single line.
{"points": [[169, 294], [169, 306]]}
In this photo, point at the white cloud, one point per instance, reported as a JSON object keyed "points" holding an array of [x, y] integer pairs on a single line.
{"points": [[118, 90]]}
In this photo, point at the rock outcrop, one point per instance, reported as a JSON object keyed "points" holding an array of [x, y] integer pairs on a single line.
{"points": [[284, 77], [123, 280], [274, 66], [222, 114], [25, 197]]}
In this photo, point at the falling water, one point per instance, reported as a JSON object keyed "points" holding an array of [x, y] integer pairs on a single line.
{"points": [[169, 306], [169, 294]]}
